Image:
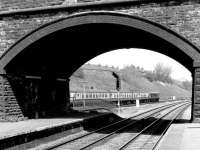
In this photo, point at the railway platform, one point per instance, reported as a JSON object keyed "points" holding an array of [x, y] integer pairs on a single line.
{"points": [[181, 135], [18, 133]]}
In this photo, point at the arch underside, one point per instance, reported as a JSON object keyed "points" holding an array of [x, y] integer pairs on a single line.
{"points": [[57, 49], [66, 50], [63, 46]]}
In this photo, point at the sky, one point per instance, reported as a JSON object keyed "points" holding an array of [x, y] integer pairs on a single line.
{"points": [[142, 58]]}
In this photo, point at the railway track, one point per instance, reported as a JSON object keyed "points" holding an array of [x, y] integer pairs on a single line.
{"points": [[149, 137], [117, 129]]}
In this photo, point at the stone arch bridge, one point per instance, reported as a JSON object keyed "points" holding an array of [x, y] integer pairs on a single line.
{"points": [[42, 42]]}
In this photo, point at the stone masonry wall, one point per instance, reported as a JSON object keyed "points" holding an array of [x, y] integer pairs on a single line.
{"points": [[196, 112], [183, 18], [7, 5], [9, 106]]}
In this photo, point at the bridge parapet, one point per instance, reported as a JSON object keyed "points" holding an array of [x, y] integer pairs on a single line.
{"points": [[11, 5]]}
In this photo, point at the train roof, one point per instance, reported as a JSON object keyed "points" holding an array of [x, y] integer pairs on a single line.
{"points": [[111, 91]]}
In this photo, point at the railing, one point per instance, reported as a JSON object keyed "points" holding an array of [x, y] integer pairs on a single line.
{"points": [[87, 104]]}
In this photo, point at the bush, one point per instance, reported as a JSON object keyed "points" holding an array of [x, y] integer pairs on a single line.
{"points": [[163, 73], [149, 76]]}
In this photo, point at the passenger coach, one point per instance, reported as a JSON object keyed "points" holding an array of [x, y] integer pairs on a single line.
{"points": [[124, 97]]}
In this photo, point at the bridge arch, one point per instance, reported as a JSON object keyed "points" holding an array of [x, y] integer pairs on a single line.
{"points": [[173, 39], [60, 47]]}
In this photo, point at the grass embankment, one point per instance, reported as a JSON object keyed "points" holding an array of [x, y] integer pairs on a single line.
{"points": [[100, 78]]}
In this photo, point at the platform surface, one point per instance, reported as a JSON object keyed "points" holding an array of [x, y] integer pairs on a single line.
{"points": [[9, 129], [182, 136]]}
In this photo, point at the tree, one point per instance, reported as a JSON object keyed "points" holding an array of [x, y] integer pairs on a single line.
{"points": [[149, 75], [163, 73]]}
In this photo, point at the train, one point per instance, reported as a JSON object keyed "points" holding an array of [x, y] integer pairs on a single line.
{"points": [[124, 97]]}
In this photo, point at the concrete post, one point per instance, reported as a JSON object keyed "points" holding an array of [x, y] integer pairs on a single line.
{"points": [[137, 103]]}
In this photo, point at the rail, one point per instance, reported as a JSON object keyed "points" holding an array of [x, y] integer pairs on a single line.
{"points": [[161, 136], [153, 124], [144, 114]]}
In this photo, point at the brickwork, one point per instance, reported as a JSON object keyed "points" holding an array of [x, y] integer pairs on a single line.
{"points": [[7, 5], [196, 111], [9, 106], [14, 28], [183, 19]]}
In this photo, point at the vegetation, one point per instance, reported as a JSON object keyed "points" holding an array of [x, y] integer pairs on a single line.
{"points": [[133, 79], [160, 73]]}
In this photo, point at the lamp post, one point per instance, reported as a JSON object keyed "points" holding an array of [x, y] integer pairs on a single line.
{"points": [[118, 103], [85, 96]]}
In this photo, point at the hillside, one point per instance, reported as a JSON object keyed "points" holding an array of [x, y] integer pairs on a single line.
{"points": [[100, 78]]}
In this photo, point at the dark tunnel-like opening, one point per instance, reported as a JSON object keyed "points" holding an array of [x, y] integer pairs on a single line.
{"points": [[60, 53]]}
